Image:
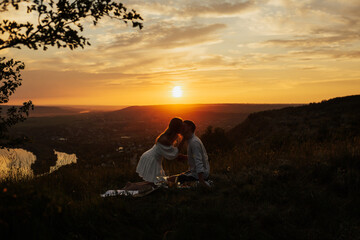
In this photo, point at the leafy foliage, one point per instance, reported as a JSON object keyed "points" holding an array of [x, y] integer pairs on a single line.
{"points": [[58, 23], [11, 79], [216, 140]]}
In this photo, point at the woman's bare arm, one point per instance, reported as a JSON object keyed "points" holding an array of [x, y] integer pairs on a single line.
{"points": [[181, 144]]}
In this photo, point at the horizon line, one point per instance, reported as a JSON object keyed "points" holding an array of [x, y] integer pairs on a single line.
{"points": [[140, 105]]}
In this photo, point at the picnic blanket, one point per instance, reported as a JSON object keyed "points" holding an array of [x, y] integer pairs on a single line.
{"points": [[140, 189]]}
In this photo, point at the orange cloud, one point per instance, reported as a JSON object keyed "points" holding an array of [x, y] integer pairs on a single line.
{"points": [[218, 51]]}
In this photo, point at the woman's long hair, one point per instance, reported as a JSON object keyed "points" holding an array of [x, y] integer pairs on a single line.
{"points": [[173, 129]]}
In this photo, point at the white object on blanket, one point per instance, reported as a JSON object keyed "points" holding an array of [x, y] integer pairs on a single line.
{"points": [[110, 193]]}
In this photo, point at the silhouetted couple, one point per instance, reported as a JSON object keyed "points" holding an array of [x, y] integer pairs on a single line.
{"points": [[167, 146]]}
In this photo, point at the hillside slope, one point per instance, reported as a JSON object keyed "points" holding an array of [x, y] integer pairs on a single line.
{"points": [[336, 118]]}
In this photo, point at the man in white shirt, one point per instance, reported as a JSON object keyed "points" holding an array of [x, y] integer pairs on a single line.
{"points": [[199, 167]]}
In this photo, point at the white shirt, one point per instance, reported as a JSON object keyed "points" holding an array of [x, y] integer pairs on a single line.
{"points": [[197, 157], [150, 164]]}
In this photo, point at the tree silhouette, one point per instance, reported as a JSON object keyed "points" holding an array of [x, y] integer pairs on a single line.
{"points": [[215, 140], [59, 23]]}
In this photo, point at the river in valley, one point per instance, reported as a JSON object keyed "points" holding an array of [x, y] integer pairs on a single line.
{"points": [[16, 163]]}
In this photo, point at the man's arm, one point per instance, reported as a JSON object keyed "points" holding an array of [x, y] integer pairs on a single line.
{"points": [[182, 158], [202, 181], [199, 164], [196, 153]]}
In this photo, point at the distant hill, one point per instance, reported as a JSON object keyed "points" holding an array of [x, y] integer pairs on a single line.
{"points": [[219, 115], [47, 111], [51, 111], [333, 119]]}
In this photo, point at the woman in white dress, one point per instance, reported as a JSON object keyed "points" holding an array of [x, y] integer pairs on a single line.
{"points": [[150, 164]]}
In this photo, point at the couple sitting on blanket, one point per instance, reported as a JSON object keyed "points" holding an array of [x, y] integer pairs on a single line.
{"points": [[167, 145]]}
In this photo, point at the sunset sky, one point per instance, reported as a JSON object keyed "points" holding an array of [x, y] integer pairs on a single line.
{"points": [[256, 51]]}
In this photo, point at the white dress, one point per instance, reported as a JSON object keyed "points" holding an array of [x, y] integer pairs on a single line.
{"points": [[150, 164]]}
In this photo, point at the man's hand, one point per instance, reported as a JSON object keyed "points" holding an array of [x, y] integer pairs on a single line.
{"points": [[182, 157], [202, 181], [181, 143]]}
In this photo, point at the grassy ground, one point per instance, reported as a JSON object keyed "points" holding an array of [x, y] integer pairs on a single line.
{"points": [[303, 191]]}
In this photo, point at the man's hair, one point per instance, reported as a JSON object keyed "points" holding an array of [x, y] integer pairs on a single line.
{"points": [[191, 124]]}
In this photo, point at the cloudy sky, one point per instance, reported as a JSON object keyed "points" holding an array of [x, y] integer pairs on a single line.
{"points": [[255, 51]]}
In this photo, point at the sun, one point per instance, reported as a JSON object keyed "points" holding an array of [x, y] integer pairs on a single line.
{"points": [[177, 92]]}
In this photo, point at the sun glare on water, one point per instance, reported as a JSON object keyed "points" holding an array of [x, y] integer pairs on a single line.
{"points": [[177, 92]]}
